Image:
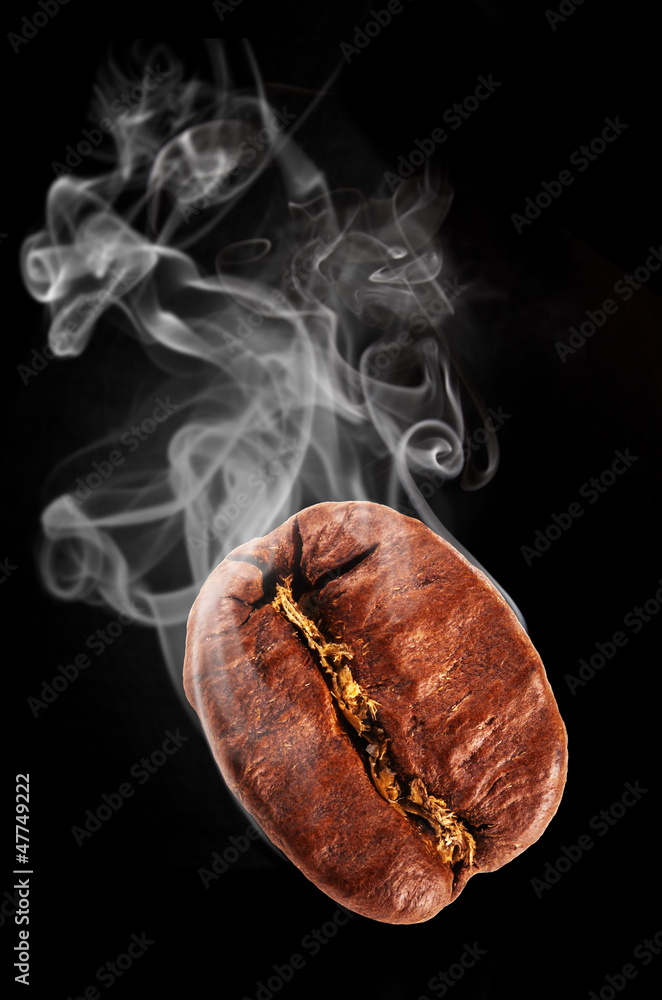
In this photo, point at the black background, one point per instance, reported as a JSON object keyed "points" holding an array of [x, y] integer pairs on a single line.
{"points": [[140, 872]]}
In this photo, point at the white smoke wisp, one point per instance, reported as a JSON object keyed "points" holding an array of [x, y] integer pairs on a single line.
{"points": [[295, 324]]}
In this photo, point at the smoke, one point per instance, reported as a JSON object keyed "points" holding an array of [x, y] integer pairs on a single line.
{"points": [[299, 332]]}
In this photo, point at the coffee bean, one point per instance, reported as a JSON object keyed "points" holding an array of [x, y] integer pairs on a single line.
{"points": [[376, 706]]}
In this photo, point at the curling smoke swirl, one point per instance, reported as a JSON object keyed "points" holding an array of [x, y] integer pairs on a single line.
{"points": [[301, 327]]}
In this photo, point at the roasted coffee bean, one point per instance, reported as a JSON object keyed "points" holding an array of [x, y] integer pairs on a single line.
{"points": [[376, 706]]}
